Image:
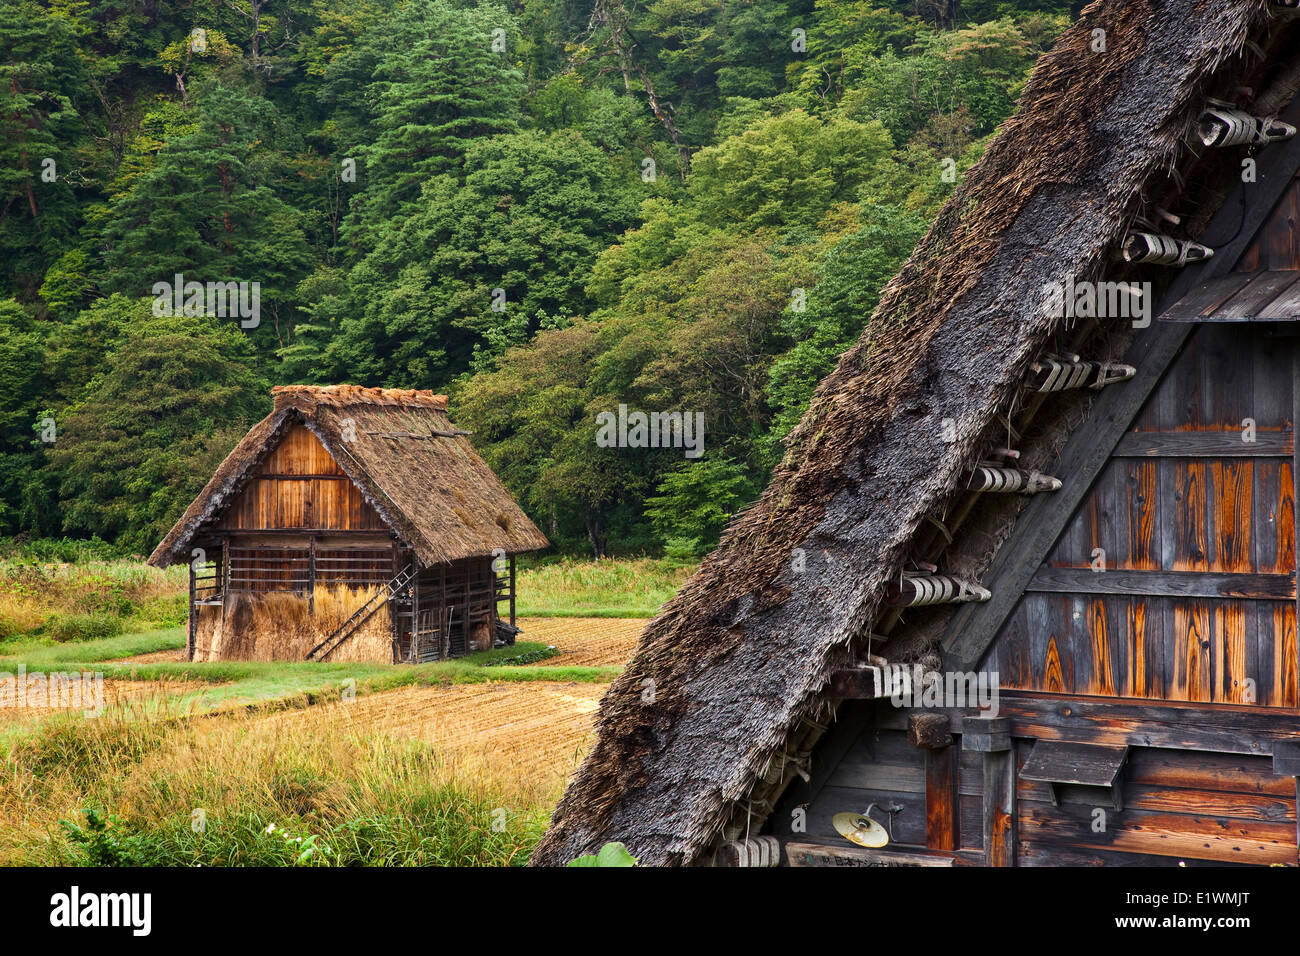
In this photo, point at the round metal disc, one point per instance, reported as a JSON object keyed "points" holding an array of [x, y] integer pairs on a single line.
{"points": [[860, 829]]}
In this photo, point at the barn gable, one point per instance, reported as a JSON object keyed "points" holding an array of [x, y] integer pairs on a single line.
{"points": [[409, 465], [298, 485]]}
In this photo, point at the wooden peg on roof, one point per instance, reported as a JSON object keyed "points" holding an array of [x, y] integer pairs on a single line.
{"points": [[1168, 216]]}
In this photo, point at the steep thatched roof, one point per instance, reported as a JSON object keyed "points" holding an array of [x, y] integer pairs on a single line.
{"points": [[401, 450], [741, 658]]}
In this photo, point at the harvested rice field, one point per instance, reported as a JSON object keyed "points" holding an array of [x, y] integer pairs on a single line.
{"points": [[585, 641], [535, 731], [116, 693]]}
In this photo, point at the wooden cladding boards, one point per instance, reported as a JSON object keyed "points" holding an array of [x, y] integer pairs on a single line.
{"points": [[1178, 804], [1277, 244], [1170, 508], [1224, 808], [299, 453], [1175, 579], [300, 485], [1163, 648], [1226, 515]]}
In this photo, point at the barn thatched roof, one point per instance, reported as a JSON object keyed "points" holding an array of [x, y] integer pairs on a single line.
{"points": [[401, 450], [741, 658]]}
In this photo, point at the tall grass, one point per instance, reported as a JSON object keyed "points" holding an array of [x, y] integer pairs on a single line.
{"points": [[87, 600], [129, 789], [628, 587]]}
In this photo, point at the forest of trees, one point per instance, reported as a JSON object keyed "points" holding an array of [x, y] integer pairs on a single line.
{"points": [[545, 208]]}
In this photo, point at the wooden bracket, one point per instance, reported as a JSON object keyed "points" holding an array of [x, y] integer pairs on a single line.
{"points": [[1055, 762]]}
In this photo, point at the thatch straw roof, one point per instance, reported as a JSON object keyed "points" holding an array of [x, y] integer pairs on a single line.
{"points": [[740, 660], [401, 450]]}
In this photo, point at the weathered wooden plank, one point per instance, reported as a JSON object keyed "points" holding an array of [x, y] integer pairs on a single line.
{"points": [[1204, 298], [1228, 806], [998, 817], [1285, 691], [972, 826], [1256, 296], [1161, 834], [1065, 762], [1232, 773], [818, 854], [878, 776], [1228, 652], [1274, 523], [1284, 307], [1143, 516], [1035, 854], [1231, 490], [1146, 648], [1216, 728], [1182, 584], [942, 807]]}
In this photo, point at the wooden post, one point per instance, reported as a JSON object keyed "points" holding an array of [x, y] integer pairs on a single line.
{"points": [[311, 575], [512, 590], [942, 803], [1295, 489], [991, 736], [193, 625]]}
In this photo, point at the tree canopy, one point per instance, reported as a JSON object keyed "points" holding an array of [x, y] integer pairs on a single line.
{"points": [[553, 211]]}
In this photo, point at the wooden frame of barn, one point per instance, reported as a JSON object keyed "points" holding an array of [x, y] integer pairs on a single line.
{"points": [[350, 524], [1138, 609]]}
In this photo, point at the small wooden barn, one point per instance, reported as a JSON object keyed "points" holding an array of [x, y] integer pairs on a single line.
{"points": [[351, 524], [1090, 511]]}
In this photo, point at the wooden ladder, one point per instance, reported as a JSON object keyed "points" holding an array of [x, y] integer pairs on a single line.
{"points": [[391, 589]]}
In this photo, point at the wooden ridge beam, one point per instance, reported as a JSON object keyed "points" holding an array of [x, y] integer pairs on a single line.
{"points": [[973, 628]]}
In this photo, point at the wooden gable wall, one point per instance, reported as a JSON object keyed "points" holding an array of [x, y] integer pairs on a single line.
{"points": [[1194, 526], [300, 486]]}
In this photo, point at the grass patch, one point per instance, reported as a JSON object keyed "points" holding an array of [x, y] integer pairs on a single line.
{"points": [[86, 599], [632, 587], [225, 792], [223, 685]]}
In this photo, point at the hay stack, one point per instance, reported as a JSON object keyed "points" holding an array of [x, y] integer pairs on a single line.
{"points": [[279, 626]]}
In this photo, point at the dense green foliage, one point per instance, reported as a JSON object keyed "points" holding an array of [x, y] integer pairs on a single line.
{"points": [[550, 209]]}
